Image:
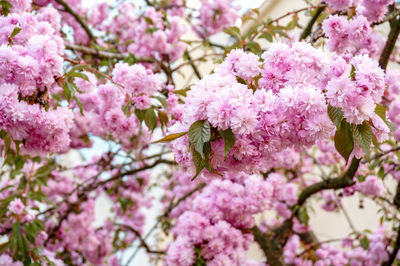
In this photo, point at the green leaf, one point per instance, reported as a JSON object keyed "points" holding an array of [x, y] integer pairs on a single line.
{"points": [[182, 92], [199, 133], [150, 119], [79, 103], [267, 36], [69, 90], [3, 133], [140, 114], [380, 111], [344, 143], [254, 47], [234, 32], [229, 140], [199, 163], [148, 20], [151, 30], [6, 7], [171, 137], [127, 109], [19, 162], [78, 75], [364, 242], [303, 216], [18, 242], [363, 137], [44, 171], [13, 34], [78, 68], [336, 115]]}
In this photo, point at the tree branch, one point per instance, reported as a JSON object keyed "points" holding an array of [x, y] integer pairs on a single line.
{"points": [[194, 67], [379, 155], [104, 54], [69, 10], [307, 30], [391, 41], [142, 241], [271, 250], [331, 183], [184, 197], [396, 247], [120, 56]]}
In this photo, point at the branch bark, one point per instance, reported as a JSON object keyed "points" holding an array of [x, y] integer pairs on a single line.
{"points": [[307, 30], [331, 183], [391, 40], [142, 241], [271, 250]]}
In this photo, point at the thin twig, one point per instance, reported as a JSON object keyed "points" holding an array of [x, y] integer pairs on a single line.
{"points": [[142, 241], [69, 10]]}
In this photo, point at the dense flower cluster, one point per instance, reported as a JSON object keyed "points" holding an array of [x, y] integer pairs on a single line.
{"points": [[140, 84], [103, 106], [327, 254], [28, 68], [373, 10], [289, 110], [357, 96], [213, 227], [353, 36], [254, 141], [148, 34], [215, 16]]}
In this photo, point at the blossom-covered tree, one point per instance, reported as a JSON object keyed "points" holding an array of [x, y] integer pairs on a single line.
{"points": [[292, 112]]}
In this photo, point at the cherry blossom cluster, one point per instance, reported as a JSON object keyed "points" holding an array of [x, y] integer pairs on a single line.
{"points": [[103, 115], [287, 111], [357, 96], [354, 36], [79, 34], [215, 16], [150, 34], [373, 10], [213, 227], [29, 63], [351, 253]]}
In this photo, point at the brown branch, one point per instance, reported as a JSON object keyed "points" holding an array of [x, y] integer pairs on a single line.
{"points": [[119, 56], [379, 155], [331, 183], [131, 172], [170, 208], [69, 10], [142, 241], [271, 250], [194, 67], [104, 54], [82, 195], [184, 197], [391, 40], [307, 30], [396, 247], [284, 232]]}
